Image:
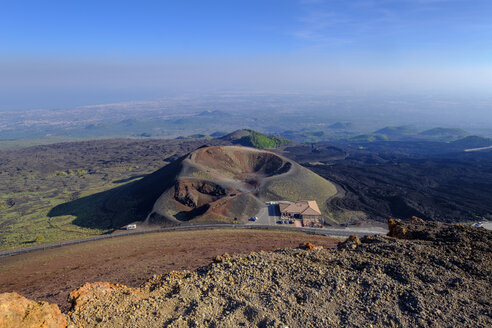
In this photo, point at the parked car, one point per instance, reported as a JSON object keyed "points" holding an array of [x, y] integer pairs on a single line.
{"points": [[280, 222], [131, 227], [478, 224], [253, 218]]}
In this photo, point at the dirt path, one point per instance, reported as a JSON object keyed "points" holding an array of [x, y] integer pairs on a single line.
{"points": [[49, 275]]}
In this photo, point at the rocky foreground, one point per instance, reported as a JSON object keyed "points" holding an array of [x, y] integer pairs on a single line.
{"points": [[422, 274]]}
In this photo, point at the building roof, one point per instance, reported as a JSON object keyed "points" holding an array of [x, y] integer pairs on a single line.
{"points": [[283, 205], [304, 207]]}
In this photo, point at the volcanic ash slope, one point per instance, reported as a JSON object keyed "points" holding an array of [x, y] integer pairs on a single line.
{"points": [[220, 183], [430, 275]]}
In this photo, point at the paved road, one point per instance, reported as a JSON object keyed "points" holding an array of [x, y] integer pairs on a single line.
{"points": [[315, 231], [487, 225], [478, 149], [263, 217], [268, 215]]}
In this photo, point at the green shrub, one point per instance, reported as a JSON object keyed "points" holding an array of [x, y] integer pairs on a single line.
{"points": [[60, 173], [261, 141]]}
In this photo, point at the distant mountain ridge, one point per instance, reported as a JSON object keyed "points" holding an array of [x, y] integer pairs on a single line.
{"points": [[444, 134], [473, 142], [397, 131], [409, 133], [341, 126]]}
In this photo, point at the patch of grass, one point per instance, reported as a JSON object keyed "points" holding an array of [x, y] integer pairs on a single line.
{"points": [[24, 214], [255, 139], [213, 218], [79, 172], [262, 141], [35, 180], [39, 239], [306, 185], [201, 175]]}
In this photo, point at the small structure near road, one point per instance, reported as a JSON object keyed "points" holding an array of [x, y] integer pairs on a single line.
{"points": [[305, 213], [131, 227]]}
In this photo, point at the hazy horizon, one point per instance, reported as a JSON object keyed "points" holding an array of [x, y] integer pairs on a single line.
{"points": [[64, 55]]}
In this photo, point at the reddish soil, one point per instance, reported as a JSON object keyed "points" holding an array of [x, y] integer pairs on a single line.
{"points": [[50, 275], [241, 162]]}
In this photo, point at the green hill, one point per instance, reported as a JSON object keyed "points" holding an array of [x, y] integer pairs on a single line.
{"points": [[444, 134], [341, 126], [397, 132], [473, 142], [250, 138]]}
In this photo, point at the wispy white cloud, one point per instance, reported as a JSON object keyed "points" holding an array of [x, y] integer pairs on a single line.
{"points": [[317, 26], [327, 24], [408, 23]]}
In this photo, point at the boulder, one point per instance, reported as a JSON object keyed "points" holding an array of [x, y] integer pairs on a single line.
{"points": [[352, 242], [306, 246], [396, 229], [309, 246], [17, 311]]}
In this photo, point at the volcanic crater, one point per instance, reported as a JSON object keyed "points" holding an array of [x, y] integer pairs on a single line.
{"points": [[231, 183]]}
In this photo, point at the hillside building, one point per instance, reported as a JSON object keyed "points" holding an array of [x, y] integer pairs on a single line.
{"points": [[305, 213]]}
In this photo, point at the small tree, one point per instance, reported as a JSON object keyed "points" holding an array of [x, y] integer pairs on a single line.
{"points": [[39, 239]]}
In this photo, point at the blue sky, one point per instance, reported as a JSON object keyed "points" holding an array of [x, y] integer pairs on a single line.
{"points": [[67, 53]]}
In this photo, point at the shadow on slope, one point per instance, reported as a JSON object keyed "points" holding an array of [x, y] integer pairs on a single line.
{"points": [[119, 206]]}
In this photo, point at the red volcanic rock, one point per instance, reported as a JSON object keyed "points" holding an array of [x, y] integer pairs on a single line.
{"points": [[309, 246], [17, 311], [417, 220], [351, 242], [306, 246], [396, 229]]}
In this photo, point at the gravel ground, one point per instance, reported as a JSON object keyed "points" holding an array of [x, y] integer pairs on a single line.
{"points": [[50, 275], [427, 275]]}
